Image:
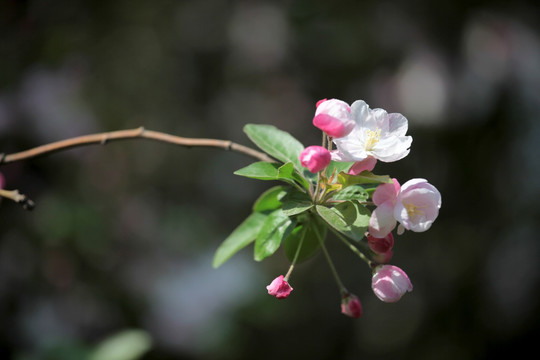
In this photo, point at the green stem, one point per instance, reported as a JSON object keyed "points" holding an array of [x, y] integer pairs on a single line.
{"points": [[342, 288], [286, 278], [300, 188], [329, 143], [316, 193], [353, 248]]}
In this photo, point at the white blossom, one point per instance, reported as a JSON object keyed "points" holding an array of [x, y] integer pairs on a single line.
{"points": [[376, 134]]}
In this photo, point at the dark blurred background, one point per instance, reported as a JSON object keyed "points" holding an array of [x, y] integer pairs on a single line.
{"points": [[118, 249]]}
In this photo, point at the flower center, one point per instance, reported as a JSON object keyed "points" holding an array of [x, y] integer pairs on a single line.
{"points": [[413, 210], [372, 138]]}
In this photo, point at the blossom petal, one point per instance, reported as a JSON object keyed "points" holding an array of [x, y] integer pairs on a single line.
{"points": [[386, 192], [382, 220], [360, 111], [366, 164], [398, 124]]}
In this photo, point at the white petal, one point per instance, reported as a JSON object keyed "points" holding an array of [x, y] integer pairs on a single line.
{"points": [[379, 120], [382, 221], [389, 150], [398, 124], [360, 111]]}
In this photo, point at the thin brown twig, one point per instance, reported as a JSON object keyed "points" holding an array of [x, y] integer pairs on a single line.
{"points": [[19, 198], [138, 133]]}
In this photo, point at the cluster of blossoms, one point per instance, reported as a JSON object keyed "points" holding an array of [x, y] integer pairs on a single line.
{"points": [[363, 136]]}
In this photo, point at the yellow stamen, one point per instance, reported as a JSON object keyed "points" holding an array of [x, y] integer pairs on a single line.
{"points": [[373, 138], [413, 210]]}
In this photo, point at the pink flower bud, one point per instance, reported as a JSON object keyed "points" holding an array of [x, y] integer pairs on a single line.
{"points": [[315, 158], [381, 245], [390, 283], [383, 258], [320, 102], [279, 288], [334, 118], [351, 306]]}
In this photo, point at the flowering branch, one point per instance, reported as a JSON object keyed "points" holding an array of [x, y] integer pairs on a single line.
{"points": [[138, 133], [325, 189]]}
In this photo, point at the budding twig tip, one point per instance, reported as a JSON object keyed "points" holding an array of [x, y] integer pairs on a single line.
{"points": [[16, 196]]}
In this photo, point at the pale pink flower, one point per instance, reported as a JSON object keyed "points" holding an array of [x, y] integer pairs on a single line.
{"points": [[279, 288], [315, 158], [351, 306], [365, 165], [376, 134], [334, 117], [417, 205], [390, 283], [382, 220]]}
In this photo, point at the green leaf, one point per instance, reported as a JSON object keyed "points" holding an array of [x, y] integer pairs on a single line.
{"points": [[349, 218], [353, 192], [242, 236], [263, 170], [338, 166], [291, 208], [270, 199], [288, 172], [310, 243], [276, 227], [278, 144], [365, 177], [296, 202], [126, 345]]}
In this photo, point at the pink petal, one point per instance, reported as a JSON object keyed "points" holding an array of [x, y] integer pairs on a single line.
{"points": [[330, 125], [320, 102], [366, 164], [386, 192], [382, 221]]}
